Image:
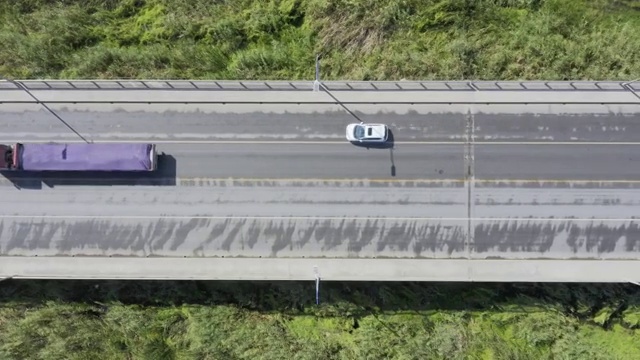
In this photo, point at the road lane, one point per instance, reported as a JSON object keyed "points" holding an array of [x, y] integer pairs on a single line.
{"points": [[340, 161], [280, 220], [526, 222], [553, 239], [333, 161], [247, 237], [410, 161], [320, 122], [609, 127], [218, 123], [404, 162], [560, 162], [279, 200]]}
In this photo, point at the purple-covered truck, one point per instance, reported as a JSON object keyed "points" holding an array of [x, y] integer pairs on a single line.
{"points": [[79, 157]]}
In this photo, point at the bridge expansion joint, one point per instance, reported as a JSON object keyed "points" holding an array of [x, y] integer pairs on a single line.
{"points": [[469, 163]]}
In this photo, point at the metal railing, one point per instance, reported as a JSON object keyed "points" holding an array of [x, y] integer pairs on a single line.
{"points": [[209, 85]]}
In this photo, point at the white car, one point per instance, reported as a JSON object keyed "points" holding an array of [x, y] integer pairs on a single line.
{"points": [[372, 133]]}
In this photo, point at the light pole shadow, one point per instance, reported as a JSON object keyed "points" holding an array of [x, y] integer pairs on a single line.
{"points": [[389, 144]]}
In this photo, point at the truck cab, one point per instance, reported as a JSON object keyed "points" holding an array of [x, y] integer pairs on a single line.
{"points": [[6, 158]]}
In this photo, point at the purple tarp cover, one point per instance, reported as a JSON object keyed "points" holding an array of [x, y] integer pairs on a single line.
{"points": [[87, 157]]}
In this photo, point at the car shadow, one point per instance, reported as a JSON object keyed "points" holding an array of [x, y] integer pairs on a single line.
{"points": [[164, 175], [389, 144]]}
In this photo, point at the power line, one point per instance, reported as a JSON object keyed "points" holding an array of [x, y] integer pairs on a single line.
{"points": [[318, 83], [49, 109]]}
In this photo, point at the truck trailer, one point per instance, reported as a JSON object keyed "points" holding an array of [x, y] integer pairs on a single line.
{"points": [[108, 157]]}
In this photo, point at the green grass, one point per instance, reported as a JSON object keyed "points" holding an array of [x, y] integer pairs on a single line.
{"points": [[363, 39], [229, 320], [358, 39]]}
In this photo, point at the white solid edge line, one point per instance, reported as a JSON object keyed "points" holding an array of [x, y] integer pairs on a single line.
{"points": [[481, 182], [328, 142], [205, 217]]}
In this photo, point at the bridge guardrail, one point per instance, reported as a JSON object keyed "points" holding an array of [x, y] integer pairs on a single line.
{"points": [[226, 85]]}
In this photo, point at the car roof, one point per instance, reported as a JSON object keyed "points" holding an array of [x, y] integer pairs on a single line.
{"points": [[369, 131]]}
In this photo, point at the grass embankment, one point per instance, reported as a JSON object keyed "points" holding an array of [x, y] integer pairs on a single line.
{"points": [[277, 39], [223, 320]]}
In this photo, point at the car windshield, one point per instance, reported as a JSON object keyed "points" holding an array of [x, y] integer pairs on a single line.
{"points": [[358, 132]]}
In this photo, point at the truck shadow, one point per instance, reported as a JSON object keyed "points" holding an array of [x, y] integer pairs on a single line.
{"points": [[389, 144], [165, 175]]}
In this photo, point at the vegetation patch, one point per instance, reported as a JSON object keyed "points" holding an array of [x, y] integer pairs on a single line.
{"points": [[360, 40], [260, 320]]}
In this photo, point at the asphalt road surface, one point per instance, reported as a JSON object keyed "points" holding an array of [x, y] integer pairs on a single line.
{"points": [[256, 184]]}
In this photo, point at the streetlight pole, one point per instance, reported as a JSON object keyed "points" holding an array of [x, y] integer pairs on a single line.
{"points": [[317, 276], [316, 83]]}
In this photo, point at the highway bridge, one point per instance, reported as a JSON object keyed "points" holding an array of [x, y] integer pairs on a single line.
{"points": [[480, 181]]}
